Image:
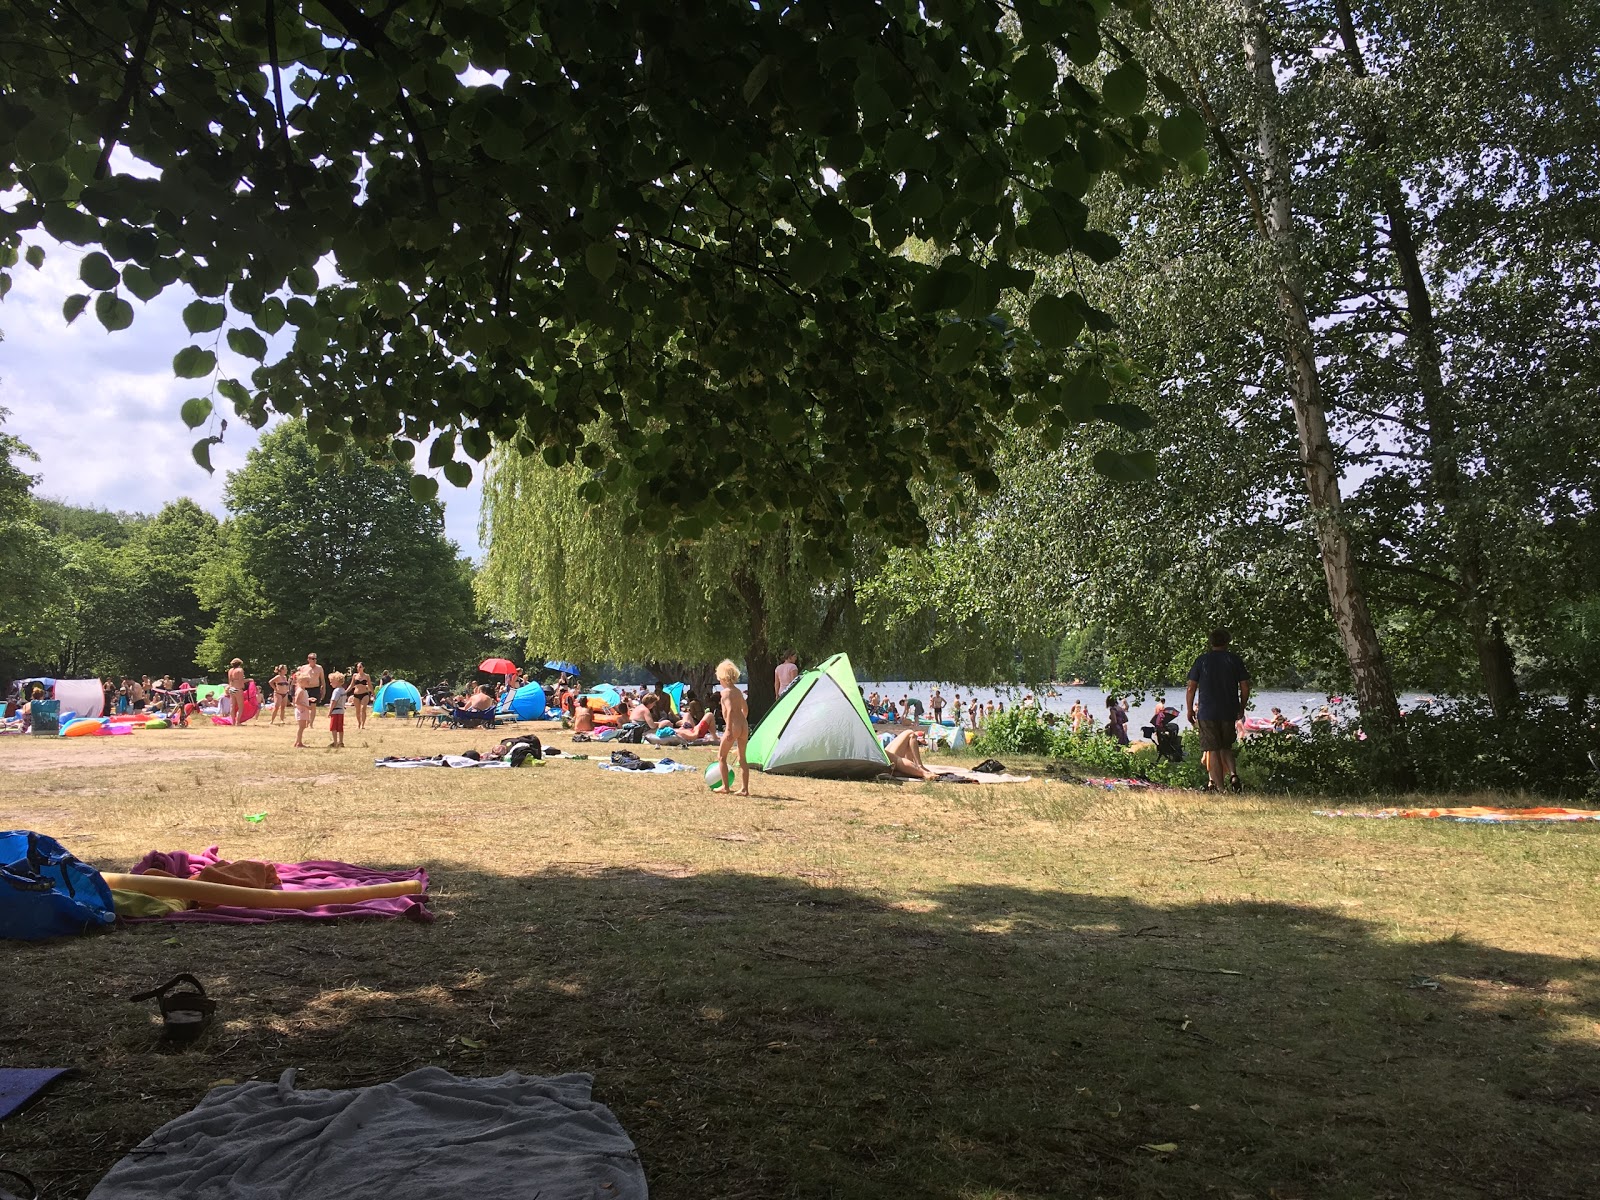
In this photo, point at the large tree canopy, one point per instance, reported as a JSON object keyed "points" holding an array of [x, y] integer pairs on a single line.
{"points": [[501, 220], [564, 571], [345, 563]]}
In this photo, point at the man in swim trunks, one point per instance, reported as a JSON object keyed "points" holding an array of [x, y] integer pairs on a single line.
{"points": [[236, 692], [1221, 681], [310, 678]]}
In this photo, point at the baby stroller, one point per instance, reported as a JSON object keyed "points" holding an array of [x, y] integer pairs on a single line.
{"points": [[1165, 735]]}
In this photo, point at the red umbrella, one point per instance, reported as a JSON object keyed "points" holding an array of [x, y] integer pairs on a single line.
{"points": [[498, 666]]}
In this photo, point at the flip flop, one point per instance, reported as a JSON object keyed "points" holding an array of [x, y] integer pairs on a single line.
{"points": [[184, 1014]]}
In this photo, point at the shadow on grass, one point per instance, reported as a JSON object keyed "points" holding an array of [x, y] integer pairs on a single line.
{"points": [[762, 1037]]}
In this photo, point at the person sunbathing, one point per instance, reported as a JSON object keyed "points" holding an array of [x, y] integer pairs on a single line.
{"points": [[582, 719], [698, 728], [905, 757], [481, 700]]}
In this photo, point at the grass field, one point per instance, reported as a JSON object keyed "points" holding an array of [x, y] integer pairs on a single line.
{"points": [[849, 990]]}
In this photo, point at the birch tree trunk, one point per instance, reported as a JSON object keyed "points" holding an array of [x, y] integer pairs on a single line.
{"points": [[1374, 688], [1495, 662]]}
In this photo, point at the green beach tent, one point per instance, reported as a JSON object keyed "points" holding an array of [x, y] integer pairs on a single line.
{"points": [[819, 727]]}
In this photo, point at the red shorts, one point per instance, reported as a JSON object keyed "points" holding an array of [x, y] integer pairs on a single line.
{"points": [[335, 722]]}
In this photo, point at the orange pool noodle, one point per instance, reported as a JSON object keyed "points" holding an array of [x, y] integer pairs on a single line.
{"points": [[247, 897]]}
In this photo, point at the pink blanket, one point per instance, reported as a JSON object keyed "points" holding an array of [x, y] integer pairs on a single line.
{"points": [[294, 876]]}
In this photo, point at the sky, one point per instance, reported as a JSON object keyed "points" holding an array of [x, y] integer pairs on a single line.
{"points": [[101, 409]]}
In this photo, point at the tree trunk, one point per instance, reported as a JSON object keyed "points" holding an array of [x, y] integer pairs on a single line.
{"points": [[1380, 712], [759, 660], [1495, 661]]}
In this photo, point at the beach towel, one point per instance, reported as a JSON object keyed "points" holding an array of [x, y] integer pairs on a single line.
{"points": [[428, 1135], [665, 767], [183, 865], [19, 1085], [963, 775], [441, 760], [1472, 815], [1111, 783]]}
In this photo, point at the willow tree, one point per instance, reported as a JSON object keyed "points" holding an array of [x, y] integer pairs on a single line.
{"points": [[564, 569], [498, 220]]}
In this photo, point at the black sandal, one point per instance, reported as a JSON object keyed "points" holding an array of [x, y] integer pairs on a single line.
{"points": [[1233, 783], [184, 1014]]}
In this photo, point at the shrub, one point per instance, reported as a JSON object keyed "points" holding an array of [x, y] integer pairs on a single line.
{"points": [[1015, 731], [1462, 747]]}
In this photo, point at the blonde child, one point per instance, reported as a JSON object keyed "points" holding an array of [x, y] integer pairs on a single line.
{"points": [[304, 710], [736, 726], [336, 710]]}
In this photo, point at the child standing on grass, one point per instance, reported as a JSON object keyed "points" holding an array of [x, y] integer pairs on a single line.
{"points": [[336, 711], [304, 710], [736, 726]]}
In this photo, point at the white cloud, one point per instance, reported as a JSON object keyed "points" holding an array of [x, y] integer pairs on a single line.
{"points": [[101, 409]]}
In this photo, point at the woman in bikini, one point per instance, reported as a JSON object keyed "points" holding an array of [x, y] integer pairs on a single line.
{"points": [[280, 695], [361, 694]]}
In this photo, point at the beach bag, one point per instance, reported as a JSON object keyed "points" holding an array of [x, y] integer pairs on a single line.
{"points": [[45, 892]]}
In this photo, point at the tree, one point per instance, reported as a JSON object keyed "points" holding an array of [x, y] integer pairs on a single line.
{"points": [[565, 571], [528, 215], [29, 576], [342, 562]]}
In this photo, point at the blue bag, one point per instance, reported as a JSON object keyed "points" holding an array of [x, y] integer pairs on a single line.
{"points": [[45, 892]]}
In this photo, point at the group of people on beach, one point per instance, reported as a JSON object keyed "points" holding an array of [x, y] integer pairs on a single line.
{"points": [[302, 690]]}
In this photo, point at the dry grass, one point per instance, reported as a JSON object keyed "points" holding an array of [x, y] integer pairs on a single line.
{"points": [[850, 989]]}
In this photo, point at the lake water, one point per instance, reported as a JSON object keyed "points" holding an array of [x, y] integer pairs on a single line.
{"points": [[1295, 704]]}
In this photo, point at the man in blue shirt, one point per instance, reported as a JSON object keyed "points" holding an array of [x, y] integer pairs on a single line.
{"points": [[1222, 682]]}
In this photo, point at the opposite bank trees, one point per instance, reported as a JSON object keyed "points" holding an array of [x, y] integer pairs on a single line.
{"points": [[501, 220]]}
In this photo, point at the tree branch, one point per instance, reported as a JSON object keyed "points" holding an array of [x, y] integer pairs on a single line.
{"points": [[130, 83]]}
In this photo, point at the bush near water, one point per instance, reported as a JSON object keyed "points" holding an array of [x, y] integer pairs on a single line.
{"points": [[1461, 748]]}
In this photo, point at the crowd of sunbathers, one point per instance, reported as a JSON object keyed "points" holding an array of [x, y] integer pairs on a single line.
{"points": [[649, 715]]}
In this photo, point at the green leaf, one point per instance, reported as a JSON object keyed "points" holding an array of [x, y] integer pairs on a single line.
{"points": [[193, 363], [141, 282], [1128, 416], [422, 488], [201, 451], [458, 473], [941, 289], [96, 271], [114, 312], [1056, 321], [303, 281], [442, 450], [1138, 467], [1099, 246], [248, 343], [1183, 133], [1124, 89], [35, 256], [1033, 76], [601, 259], [73, 308], [195, 412], [202, 316], [476, 442], [756, 81], [1042, 134], [271, 316]]}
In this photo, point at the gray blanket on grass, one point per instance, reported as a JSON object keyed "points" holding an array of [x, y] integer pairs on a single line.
{"points": [[428, 1135]]}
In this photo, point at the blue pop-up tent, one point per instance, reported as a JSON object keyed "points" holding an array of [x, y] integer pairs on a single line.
{"points": [[527, 703], [396, 689]]}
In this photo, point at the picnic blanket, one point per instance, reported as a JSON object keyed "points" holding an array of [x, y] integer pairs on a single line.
{"points": [[665, 767], [964, 775], [1110, 783], [428, 1135], [18, 1085], [1473, 814], [439, 760], [183, 865]]}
